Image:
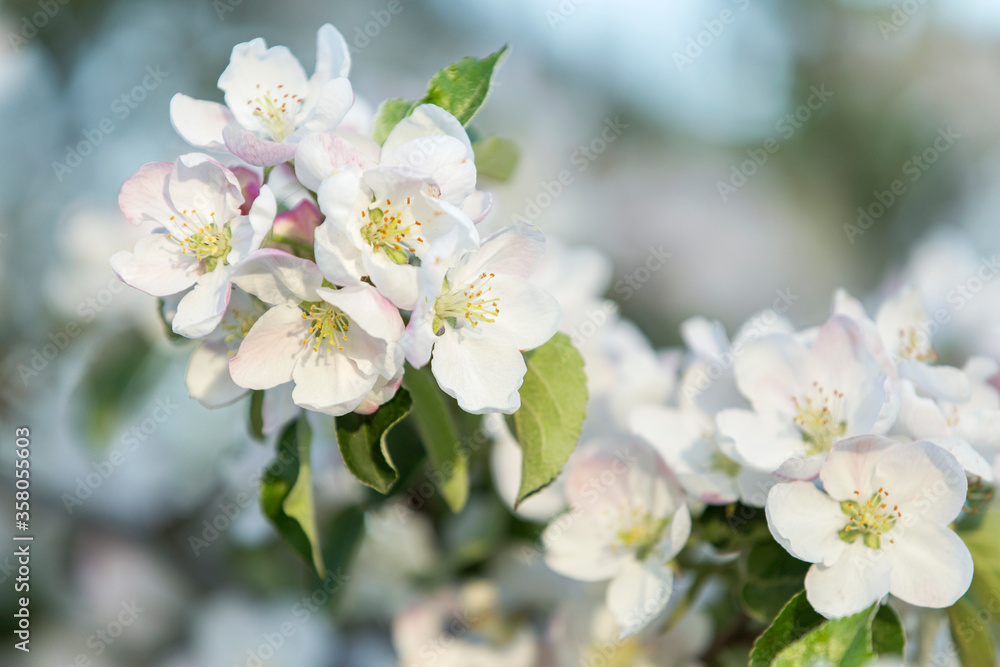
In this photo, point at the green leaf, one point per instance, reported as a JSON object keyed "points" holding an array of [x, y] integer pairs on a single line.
{"points": [[971, 635], [844, 642], [792, 623], [362, 442], [437, 431], [286, 494], [388, 114], [770, 577], [496, 158], [984, 545], [553, 405], [888, 637], [257, 414], [461, 88]]}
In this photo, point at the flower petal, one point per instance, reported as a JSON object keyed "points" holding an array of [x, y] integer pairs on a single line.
{"points": [[249, 231], [143, 197], [806, 522], [330, 382], [923, 479], [207, 377], [322, 155], [850, 585], [850, 465], [639, 593], [269, 351], [274, 276], [254, 71], [156, 266], [931, 566], [427, 120], [204, 190], [327, 109], [482, 375], [200, 122], [201, 309], [256, 151]]}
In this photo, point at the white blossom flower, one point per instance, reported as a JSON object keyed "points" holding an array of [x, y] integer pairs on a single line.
{"points": [[200, 239], [806, 398], [270, 103], [879, 526], [383, 215], [626, 523], [479, 315], [339, 346]]}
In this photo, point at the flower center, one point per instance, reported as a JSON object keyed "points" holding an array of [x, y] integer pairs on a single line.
{"points": [[277, 111], [818, 417], [869, 520], [472, 305], [391, 232], [329, 325], [643, 534], [210, 243], [237, 324], [916, 346]]}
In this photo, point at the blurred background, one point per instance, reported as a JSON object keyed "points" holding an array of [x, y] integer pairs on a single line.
{"points": [[761, 148]]}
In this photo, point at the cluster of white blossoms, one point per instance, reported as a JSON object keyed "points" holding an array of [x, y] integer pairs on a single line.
{"points": [[314, 262], [860, 446]]}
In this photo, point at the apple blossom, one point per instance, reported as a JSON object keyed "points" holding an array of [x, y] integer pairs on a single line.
{"points": [[339, 346], [383, 215], [879, 526], [200, 240], [270, 103], [806, 397], [479, 315], [627, 521]]}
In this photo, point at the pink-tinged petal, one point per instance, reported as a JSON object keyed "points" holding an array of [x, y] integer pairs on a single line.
{"points": [[427, 120], [639, 593], [931, 566], [250, 182], [900, 316], [269, 351], [673, 433], [200, 122], [330, 383], [249, 231], [322, 155], [259, 152], [278, 408], [207, 376], [204, 190], [254, 72], [298, 223], [157, 266], [483, 375], [529, 316], [143, 197], [799, 468], [806, 522], [852, 584], [974, 463], [201, 310], [768, 373], [277, 277], [327, 109], [850, 466], [924, 480], [383, 390]]}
